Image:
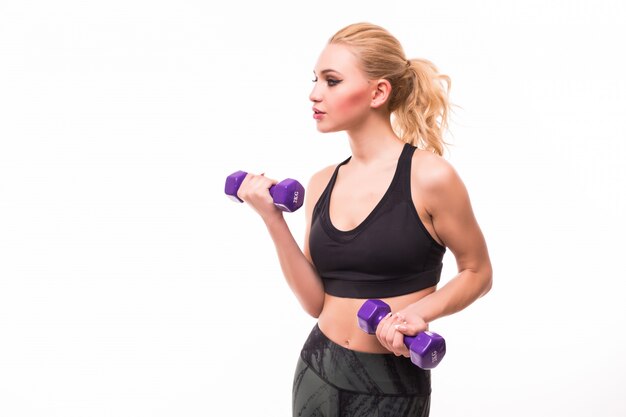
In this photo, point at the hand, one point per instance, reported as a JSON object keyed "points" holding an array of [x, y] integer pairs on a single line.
{"points": [[392, 329], [254, 190]]}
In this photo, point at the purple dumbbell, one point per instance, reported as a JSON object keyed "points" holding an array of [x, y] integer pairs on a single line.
{"points": [[427, 348], [288, 194]]}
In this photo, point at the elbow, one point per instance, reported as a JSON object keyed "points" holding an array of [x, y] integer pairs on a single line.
{"points": [[314, 312], [314, 309], [315, 304], [488, 282], [487, 288]]}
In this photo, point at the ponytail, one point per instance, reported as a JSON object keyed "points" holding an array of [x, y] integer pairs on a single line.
{"points": [[420, 116]]}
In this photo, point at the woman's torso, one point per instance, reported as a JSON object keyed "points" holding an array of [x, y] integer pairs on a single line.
{"points": [[338, 320], [350, 204]]}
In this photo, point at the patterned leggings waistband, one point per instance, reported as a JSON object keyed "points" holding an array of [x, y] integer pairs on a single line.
{"points": [[356, 371]]}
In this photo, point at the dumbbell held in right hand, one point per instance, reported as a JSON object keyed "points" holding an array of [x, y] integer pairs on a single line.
{"points": [[288, 195]]}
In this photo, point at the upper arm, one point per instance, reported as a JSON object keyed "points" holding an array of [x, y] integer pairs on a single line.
{"points": [[314, 189], [448, 203]]}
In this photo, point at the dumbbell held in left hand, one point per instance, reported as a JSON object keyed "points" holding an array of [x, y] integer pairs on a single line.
{"points": [[426, 348], [288, 195]]}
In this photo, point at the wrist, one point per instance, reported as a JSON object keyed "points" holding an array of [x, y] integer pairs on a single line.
{"points": [[273, 219], [421, 309]]}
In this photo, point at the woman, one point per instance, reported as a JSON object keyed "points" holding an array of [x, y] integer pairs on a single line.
{"points": [[377, 226]]}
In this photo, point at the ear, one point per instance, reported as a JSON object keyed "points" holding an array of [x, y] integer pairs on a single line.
{"points": [[381, 93]]}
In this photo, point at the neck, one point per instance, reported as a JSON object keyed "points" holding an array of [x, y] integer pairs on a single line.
{"points": [[374, 141]]}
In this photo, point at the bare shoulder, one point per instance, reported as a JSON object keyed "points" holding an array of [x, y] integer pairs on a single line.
{"points": [[318, 182], [431, 170], [436, 178]]}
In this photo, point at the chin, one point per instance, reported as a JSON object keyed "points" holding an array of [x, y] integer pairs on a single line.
{"points": [[325, 129]]}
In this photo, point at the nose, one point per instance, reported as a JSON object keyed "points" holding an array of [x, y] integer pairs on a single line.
{"points": [[315, 95]]}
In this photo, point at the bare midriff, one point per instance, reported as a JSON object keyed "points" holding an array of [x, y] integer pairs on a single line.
{"points": [[339, 323]]}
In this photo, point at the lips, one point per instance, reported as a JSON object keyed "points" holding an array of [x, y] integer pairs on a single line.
{"points": [[317, 114]]}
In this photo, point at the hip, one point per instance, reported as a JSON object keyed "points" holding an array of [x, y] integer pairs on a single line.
{"points": [[363, 372]]}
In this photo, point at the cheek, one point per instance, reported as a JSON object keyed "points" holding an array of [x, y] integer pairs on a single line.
{"points": [[353, 101]]}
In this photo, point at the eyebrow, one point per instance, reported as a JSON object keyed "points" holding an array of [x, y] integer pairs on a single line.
{"points": [[328, 70]]}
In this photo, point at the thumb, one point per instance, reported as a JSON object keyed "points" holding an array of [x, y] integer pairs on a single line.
{"points": [[408, 329]]}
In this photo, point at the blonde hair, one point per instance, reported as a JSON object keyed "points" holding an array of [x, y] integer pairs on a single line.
{"points": [[418, 102]]}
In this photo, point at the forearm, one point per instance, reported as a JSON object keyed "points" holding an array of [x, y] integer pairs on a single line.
{"points": [[300, 274], [461, 291]]}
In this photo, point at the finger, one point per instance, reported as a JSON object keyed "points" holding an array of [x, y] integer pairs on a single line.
{"points": [[381, 331], [251, 181], [389, 332], [243, 187], [261, 181], [259, 185], [395, 340], [411, 329], [399, 348]]}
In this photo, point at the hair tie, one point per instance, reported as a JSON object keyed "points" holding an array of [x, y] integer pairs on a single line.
{"points": [[408, 62]]}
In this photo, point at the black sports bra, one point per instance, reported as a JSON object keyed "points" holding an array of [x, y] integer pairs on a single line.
{"points": [[390, 253]]}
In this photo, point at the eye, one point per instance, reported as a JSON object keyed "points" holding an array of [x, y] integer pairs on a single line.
{"points": [[330, 81]]}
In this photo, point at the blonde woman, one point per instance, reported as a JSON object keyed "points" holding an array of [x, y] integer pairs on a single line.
{"points": [[377, 226]]}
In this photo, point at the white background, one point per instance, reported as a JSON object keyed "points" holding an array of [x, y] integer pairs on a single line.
{"points": [[131, 286]]}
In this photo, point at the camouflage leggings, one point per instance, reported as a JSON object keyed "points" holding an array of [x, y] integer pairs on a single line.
{"points": [[332, 381]]}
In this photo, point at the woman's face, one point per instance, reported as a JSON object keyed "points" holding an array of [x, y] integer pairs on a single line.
{"points": [[342, 94]]}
